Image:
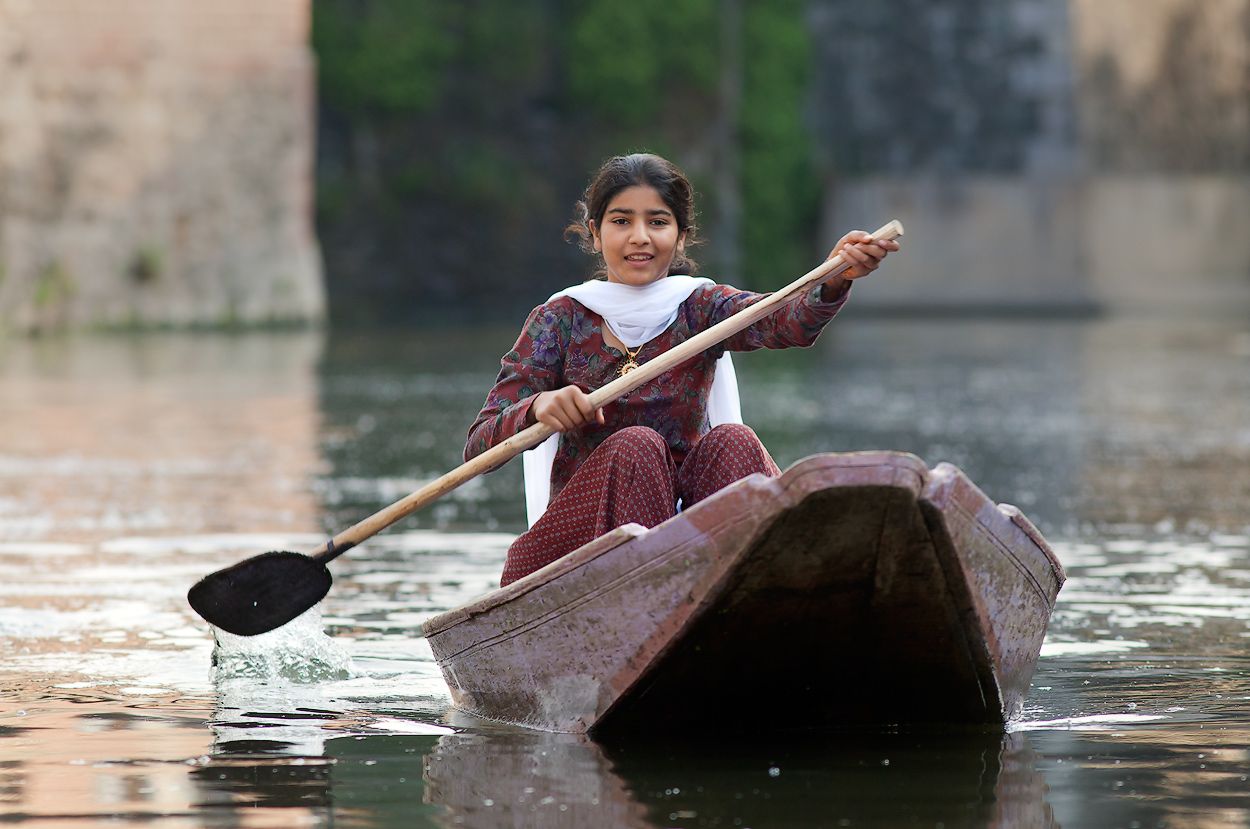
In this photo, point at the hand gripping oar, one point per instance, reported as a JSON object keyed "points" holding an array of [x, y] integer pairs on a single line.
{"points": [[271, 589]]}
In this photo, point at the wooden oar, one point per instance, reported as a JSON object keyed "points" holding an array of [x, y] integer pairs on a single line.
{"points": [[271, 589]]}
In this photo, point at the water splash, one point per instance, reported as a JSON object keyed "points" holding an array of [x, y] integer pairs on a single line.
{"points": [[299, 651]]}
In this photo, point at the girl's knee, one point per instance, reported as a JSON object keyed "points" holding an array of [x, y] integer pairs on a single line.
{"points": [[638, 443], [732, 433], [637, 437], [737, 447]]}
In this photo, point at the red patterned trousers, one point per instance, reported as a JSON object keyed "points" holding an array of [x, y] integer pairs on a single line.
{"points": [[631, 477]]}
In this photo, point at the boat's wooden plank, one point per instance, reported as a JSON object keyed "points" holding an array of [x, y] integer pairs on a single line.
{"points": [[556, 655], [1012, 582], [504, 595]]}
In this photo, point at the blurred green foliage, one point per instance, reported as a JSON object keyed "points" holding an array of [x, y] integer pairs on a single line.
{"points": [[472, 108], [779, 183], [626, 59], [385, 56]]}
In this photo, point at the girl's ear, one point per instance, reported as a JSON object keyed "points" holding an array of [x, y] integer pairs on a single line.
{"points": [[594, 235], [681, 242]]}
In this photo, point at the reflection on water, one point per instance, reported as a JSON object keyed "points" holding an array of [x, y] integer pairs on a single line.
{"points": [[488, 778], [162, 435], [562, 781], [132, 466]]}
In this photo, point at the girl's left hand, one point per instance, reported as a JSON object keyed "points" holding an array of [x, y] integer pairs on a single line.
{"points": [[863, 252]]}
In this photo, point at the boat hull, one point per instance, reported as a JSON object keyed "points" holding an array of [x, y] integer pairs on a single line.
{"points": [[855, 590]]}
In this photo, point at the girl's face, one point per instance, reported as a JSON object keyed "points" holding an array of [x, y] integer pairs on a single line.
{"points": [[639, 236]]}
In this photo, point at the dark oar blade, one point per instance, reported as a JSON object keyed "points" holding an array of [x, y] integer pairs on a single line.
{"points": [[260, 594]]}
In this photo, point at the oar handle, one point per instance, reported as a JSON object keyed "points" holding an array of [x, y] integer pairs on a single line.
{"points": [[503, 452]]}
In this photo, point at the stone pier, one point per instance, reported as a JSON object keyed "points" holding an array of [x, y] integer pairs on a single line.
{"points": [[156, 164], [1065, 155]]}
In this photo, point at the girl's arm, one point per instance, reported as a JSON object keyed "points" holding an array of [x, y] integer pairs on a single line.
{"points": [[800, 321], [534, 365], [797, 323]]}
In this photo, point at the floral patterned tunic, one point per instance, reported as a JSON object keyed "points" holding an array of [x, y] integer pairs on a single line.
{"points": [[562, 344]]}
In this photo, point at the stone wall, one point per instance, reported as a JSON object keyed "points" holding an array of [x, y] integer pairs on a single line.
{"points": [[1152, 244], [1165, 84], [156, 163], [1069, 155]]}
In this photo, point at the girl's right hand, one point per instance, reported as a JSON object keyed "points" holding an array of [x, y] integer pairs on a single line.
{"points": [[863, 252], [564, 409]]}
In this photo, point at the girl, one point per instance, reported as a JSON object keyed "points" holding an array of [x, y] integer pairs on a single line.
{"points": [[676, 438]]}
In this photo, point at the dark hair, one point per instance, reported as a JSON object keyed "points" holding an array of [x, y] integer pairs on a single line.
{"points": [[622, 171]]}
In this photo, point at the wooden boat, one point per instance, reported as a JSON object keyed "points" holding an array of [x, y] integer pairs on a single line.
{"points": [[856, 589]]}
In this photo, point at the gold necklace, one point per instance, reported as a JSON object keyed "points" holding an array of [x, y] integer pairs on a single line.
{"points": [[631, 362]]}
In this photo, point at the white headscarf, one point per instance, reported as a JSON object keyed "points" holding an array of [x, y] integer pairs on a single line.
{"points": [[636, 315]]}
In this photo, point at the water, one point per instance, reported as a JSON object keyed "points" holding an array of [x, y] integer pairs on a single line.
{"points": [[129, 467]]}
